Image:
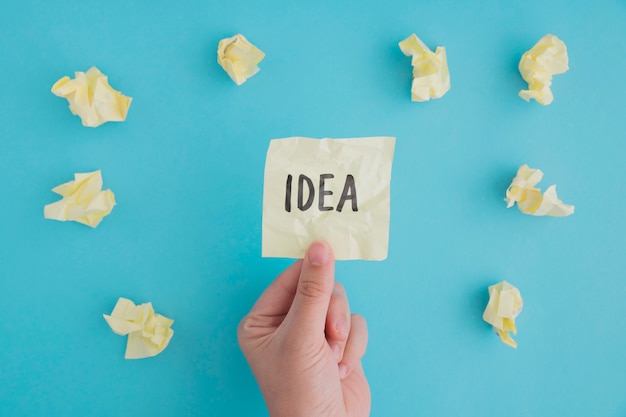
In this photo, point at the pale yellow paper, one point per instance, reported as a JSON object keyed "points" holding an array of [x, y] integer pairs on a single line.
{"points": [[83, 200], [239, 58], [431, 77], [148, 333], [537, 66], [361, 234], [505, 304], [530, 200], [92, 98]]}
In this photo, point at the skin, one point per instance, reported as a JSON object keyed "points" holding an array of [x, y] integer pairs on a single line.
{"points": [[303, 345]]}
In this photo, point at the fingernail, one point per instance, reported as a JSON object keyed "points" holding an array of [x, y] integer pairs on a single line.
{"points": [[318, 253], [342, 327], [337, 352], [343, 370]]}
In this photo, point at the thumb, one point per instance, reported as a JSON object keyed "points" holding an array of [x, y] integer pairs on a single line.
{"points": [[315, 286]]}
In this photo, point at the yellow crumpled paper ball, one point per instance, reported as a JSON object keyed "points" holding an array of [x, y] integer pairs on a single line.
{"points": [[83, 200], [431, 77], [505, 304], [148, 333], [92, 98], [537, 66], [530, 200], [239, 58]]}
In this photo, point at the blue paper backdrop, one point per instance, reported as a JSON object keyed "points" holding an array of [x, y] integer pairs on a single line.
{"points": [[187, 171]]}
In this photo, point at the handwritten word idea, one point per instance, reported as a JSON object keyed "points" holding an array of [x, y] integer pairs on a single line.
{"points": [[348, 193]]}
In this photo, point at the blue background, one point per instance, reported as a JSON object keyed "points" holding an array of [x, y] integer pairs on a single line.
{"points": [[187, 172]]}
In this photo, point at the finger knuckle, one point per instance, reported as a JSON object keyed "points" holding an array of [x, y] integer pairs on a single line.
{"points": [[246, 325], [312, 288]]}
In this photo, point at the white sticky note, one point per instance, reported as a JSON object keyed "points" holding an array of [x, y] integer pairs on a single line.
{"points": [[334, 190]]}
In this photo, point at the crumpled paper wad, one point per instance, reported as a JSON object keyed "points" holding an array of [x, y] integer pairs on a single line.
{"points": [[239, 58], [148, 333], [505, 304], [431, 77], [537, 66], [83, 200], [530, 200], [92, 98], [334, 190]]}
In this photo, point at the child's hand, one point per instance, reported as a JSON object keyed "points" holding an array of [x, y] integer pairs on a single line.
{"points": [[303, 345]]}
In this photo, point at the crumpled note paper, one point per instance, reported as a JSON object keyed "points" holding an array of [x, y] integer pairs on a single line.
{"points": [[83, 200], [92, 98], [148, 333], [334, 190], [505, 304], [239, 58], [537, 66], [530, 200], [431, 78]]}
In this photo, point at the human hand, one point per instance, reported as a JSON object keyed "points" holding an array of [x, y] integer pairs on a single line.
{"points": [[303, 345]]}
